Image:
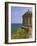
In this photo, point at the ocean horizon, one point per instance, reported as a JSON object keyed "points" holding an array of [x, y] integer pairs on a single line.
{"points": [[14, 27]]}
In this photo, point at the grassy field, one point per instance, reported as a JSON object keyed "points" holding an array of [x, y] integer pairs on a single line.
{"points": [[21, 34]]}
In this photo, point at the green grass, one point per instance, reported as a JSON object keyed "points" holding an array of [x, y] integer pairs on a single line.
{"points": [[20, 34]]}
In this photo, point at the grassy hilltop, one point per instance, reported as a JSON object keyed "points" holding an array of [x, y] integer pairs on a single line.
{"points": [[20, 34]]}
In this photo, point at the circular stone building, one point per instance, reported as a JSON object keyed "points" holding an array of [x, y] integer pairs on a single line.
{"points": [[27, 19]]}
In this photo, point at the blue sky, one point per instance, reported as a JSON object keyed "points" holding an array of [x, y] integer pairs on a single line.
{"points": [[17, 12]]}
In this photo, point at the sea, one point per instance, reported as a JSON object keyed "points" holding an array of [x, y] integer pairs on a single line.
{"points": [[14, 27]]}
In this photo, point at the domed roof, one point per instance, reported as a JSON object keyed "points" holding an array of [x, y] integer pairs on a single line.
{"points": [[28, 13]]}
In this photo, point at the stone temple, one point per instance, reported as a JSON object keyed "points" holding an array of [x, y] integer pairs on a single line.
{"points": [[27, 20]]}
